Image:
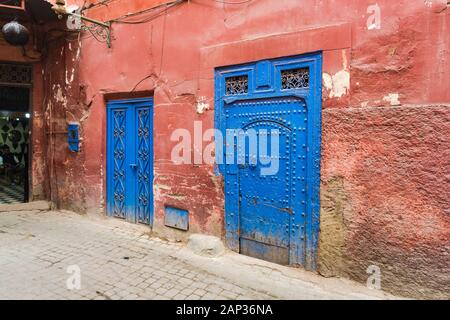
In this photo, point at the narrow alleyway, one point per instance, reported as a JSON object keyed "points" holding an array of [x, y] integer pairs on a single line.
{"points": [[121, 261]]}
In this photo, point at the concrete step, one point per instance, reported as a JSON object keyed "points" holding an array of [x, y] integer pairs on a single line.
{"points": [[30, 206]]}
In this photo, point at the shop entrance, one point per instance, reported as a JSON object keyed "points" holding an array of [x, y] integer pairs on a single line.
{"points": [[15, 116]]}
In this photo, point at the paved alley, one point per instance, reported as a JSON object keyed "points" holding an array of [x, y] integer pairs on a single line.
{"points": [[41, 251]]}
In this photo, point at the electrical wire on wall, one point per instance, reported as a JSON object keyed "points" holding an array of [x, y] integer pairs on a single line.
{"points": [[131, 18], [233, 2], [102, 34], [155, 12], [165, 6]]}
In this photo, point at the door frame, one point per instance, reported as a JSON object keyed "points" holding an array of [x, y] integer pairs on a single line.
{"points": [[313, 97], [135, 103]]}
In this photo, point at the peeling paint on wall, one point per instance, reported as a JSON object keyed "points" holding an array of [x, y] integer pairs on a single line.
{"points": [[59, 96], [69, 79], [392, 99], [338, 84], [202, 105]]}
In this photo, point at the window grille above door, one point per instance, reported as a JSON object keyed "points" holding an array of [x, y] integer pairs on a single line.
{"points": [[15, 74], [19, 4]]}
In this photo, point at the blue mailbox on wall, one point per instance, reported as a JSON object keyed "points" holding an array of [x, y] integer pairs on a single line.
{"points": [[74, 137]]}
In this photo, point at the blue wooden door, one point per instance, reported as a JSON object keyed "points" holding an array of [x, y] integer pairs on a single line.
{"points": [[269, 113], [130, 160]]}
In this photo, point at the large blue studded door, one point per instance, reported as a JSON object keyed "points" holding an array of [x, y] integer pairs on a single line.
{"points": [[269, 116], [130, 160]]}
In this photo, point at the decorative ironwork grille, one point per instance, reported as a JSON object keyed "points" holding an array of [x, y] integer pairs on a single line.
{"points": [[295, 78], [15, 74], [119, 118], [144, 166], [11, 3], [236, 85]]}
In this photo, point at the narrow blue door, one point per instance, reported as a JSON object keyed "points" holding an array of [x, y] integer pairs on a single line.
{"points": [[270, 113], [130, 160]]}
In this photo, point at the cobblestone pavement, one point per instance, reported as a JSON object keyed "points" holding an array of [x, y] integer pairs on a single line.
{"points": [[118, 260]]}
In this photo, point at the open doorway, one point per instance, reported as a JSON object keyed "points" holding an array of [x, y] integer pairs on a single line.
{"points": [[15, 116]]}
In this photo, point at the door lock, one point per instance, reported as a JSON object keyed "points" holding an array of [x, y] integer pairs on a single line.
{"points": [[133, 166]]}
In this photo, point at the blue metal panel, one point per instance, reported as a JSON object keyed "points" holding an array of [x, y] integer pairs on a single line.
{"points": [[263, 74], [73, 137], [130, 160], [176, 218], [275, 217]]}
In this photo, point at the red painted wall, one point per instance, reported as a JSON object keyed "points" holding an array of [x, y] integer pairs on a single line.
{"points": [[386, 119]]}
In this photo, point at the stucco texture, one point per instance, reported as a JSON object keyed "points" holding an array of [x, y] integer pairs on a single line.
{"points": [[384, 200]]}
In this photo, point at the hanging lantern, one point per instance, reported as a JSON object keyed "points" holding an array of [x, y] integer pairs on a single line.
{"points": [[15, 34]]}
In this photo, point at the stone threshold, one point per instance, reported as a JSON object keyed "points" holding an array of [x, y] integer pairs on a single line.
{"points": [[30, 206]]}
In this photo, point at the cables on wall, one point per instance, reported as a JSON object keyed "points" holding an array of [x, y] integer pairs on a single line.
{"points": [[165, 6]]}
